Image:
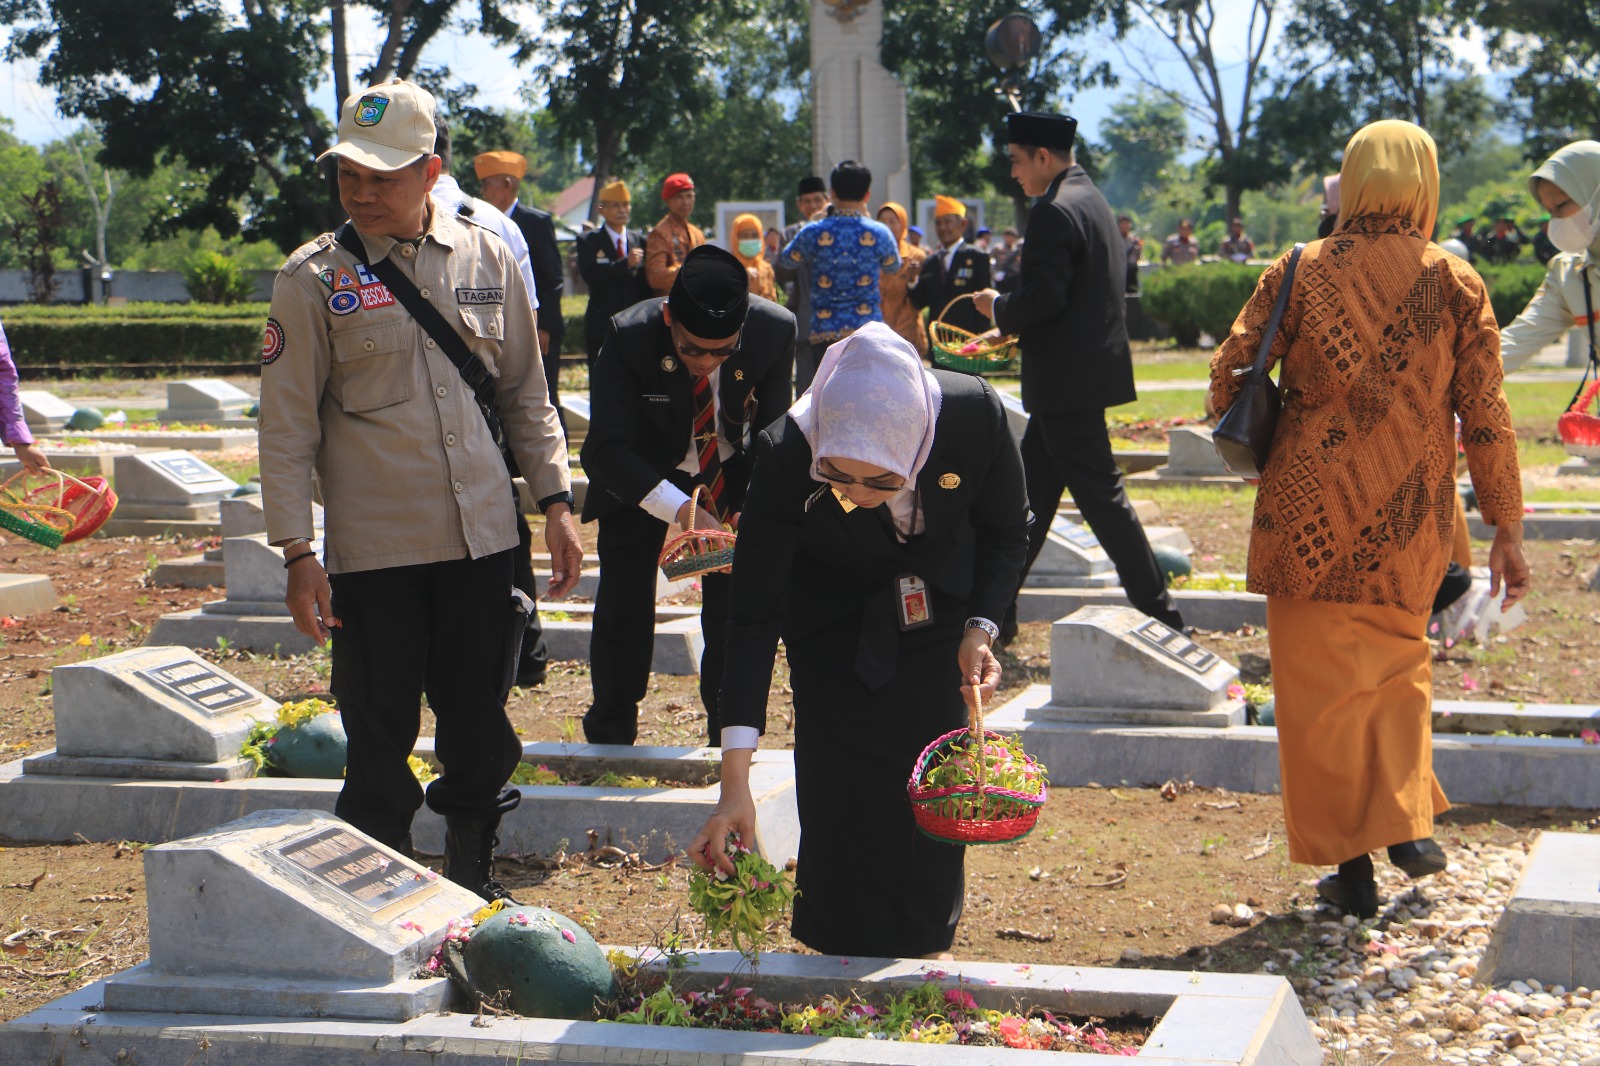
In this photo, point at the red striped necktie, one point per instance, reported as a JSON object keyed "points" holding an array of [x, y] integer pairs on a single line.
{"points": [[705, 439]]}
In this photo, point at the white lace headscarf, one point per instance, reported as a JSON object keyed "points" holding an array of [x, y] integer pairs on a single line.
{"points": [[872, 401]]}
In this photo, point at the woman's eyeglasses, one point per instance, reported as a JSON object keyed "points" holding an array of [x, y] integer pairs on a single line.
{"points": [[875, 484]]}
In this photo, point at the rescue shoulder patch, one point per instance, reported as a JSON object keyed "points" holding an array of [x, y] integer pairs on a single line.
{"points": [[271, 343]]}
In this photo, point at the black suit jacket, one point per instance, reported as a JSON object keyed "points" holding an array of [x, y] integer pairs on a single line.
{"points": [[1069, 307], [802, 564], [613, 285], [544, 254], [641, 404], [969, 272]]}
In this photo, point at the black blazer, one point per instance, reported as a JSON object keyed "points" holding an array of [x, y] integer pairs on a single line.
{"points": [[544, 255], [1069, 308], [969, 272], [641, 404], [800, 567], [613, 285]]}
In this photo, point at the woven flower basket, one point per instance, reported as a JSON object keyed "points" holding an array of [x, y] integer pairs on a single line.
{"points": [[1580, 430], [31, 507], [976, 812], [698, 551], [956, 349]]}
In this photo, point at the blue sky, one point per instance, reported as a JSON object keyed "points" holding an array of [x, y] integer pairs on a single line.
{"points": [[35, 120]]}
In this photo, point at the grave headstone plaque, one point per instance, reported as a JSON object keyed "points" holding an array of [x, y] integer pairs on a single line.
{"points": [[204, 400], [246, 516], [290, 913], [1191, 454], [1114, 664], [45, 412], [254, 577], [150, 712], [171, 485]]}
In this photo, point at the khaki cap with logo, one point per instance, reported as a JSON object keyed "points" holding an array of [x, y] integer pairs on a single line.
{"points": [[385, 126]]}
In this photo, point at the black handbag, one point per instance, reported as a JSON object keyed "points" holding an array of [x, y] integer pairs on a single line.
{"points": [[1243, 437]]}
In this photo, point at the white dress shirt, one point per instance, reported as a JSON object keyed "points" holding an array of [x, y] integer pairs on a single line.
{"points": [[450, 196], [666, 499]]}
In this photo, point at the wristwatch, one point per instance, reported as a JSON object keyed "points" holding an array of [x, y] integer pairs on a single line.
{"points": [[985, 625], [555, 498], [293, 542]]}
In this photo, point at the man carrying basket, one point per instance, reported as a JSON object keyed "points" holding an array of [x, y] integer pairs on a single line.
{"points": [[1068, 310], [680, 388]]}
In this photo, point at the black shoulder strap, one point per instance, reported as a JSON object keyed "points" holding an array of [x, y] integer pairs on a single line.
{"points": [[433, 323], [1271, 332], [1588, 311]]}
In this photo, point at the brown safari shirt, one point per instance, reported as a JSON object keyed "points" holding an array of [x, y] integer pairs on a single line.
{"points": [[353, 388]]}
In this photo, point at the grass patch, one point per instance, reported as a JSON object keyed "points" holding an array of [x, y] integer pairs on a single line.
{"points": [[240, 471], [1166, 403], [1187, 368]]}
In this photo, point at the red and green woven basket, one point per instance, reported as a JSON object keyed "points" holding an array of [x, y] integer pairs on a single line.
{"points": [[972, 812]]}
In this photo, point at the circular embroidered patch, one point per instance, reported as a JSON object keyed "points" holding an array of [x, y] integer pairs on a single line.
{"points": [[271, 342], [344, 301]]}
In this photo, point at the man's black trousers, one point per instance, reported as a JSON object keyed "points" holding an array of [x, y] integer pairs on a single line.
{"points": [[1072, 452], [623, 641], [436, 629]]}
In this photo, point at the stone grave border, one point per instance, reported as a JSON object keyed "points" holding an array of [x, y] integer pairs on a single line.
{"points": [[183, 440], [1206, 1019], [1550, 930], [646, 820]]}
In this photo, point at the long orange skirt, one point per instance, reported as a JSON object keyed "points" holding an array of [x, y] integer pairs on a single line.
{"points": [[1461, 542], [1353, 694]]}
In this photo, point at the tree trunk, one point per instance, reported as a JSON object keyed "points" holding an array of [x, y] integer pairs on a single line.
{"points": [[341, 58], [607, 141], [1234, 195]]}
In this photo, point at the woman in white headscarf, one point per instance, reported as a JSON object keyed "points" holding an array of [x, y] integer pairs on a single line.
{"points": [[884, 533], [1568, 185]]}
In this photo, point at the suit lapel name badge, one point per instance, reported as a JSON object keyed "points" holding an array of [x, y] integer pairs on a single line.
{"points": [[949, 481], [738, 375], [844, 503]]}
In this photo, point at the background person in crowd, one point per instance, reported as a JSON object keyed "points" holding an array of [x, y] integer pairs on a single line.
{"points": [[500, 177], [884, 530], [1329, 218], [847, 252], [1568, 185], [1181, 247], [1544, 249], [420, 526], [1070, 317], [749, 247], [1236, 247], [1464, 232], [899, 313], [914, 236], [1353, 517], [1504, 243], [1133, 245], [611, 263], [952, 270], [812, 203], [679, 390], [674, 236], [1007, 260]]}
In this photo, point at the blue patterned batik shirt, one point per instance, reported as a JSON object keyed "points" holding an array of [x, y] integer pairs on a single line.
{"points": [[847, 251]]}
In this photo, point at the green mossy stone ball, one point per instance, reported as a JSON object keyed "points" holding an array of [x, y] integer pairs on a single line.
{"points": [[1267, 713], [522, 950], [311, 749], [1172, 562], [87, 418], [253, 411], [249, 488]]}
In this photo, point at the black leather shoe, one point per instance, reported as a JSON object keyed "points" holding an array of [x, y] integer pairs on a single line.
{"points": [[1419, 858], [1359, 898], [469, 845]]}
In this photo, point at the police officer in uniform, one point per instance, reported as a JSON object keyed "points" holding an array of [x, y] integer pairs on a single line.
{"points": [[680, 390], [415, 590]]}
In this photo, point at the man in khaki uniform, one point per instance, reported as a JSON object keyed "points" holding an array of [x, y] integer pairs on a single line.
{"points": [[419, 523], [674, 236]]}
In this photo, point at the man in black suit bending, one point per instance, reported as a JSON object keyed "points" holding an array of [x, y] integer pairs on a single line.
{"points": [[1068, 312], [611, 263], [679, 390], [500, 177]]}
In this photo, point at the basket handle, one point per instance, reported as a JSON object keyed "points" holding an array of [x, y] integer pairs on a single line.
{"points": [[1581, 403], [946, 309], [975, 730]]}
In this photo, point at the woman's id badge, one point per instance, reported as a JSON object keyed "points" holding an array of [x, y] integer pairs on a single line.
{"points": [[916, 611]]}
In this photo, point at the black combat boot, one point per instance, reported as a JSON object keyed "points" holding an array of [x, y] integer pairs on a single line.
{"points": [[469, 844]]}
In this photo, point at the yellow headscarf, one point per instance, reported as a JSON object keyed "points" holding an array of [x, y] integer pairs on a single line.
{"points": [[899, 231], [1391, 168], [739, 223]]}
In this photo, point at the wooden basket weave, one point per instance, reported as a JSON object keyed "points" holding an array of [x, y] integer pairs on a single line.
{"points": [[697, 551], [971, 814], [33, 509], [1580, 430], [956, 349]]}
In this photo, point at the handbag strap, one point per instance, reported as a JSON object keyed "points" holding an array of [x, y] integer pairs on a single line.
{"points": [[1593, 366], [1271, 332], [433, 323]]}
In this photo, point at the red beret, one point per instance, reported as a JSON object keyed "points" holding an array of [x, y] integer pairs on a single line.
{"points": [[675, 184]]}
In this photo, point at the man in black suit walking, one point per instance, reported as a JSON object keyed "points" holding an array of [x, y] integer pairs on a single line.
{"points": [[953, 270], [500, 176], [1068, 312], [611, 263], [680, 389]]}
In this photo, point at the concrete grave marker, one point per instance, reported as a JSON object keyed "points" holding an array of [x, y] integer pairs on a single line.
{"points": [[45, 412], [1114, 664], [290, 914], [153, 712], [172, 485], [1550, 929], [245, 516], [1073, 558], [205, 400], [1191, 454]]}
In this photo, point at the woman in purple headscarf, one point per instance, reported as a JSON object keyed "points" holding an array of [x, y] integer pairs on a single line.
{"points": [[884, 533]]}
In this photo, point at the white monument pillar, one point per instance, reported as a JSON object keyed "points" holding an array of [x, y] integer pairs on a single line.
{"points": [[858, 108]]}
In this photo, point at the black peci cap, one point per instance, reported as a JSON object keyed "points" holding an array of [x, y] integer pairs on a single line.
{"points": [[711, 294], [1039, 129], [811, 184]]}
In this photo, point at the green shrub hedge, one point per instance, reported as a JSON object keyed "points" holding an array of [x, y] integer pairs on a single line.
{"points": [[1204, 298], [1511, 287]]}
